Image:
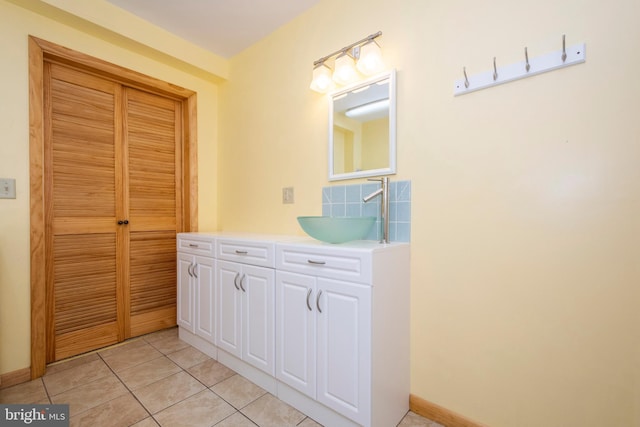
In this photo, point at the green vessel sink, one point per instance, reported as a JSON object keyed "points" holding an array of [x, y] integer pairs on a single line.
{"points": [[333, 229]]}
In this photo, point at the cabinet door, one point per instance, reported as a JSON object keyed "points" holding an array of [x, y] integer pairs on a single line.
{"points": [[344, 343], [296, 331], [258, 329], [185, 310], [229, 300], [204, 272]]}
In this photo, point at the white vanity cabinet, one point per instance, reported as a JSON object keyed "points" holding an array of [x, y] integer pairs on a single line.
{"points": [[342, 330], [323, 327], [245, 309], [196, 285]]}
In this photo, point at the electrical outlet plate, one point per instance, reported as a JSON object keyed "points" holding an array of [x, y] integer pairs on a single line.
{"points": [[7, 188], [287, 195]]}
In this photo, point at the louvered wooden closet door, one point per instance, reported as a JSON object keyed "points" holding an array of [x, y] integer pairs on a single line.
{"points": [[82, 203], [153, 140], [112, 202]]}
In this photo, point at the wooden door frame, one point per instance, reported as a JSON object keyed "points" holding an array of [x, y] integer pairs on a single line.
{"points": [[39, 51]]}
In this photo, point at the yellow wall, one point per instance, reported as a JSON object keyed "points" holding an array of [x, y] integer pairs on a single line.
{"points": [[526, 197], [376, 135], [16, 24]]}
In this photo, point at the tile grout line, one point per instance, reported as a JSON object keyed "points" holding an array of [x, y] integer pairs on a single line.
{"points": [[184, 370], [131, 391], [46, 390], [126, 387]]}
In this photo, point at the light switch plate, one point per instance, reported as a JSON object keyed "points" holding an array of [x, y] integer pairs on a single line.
{"points": [[7, 188]]}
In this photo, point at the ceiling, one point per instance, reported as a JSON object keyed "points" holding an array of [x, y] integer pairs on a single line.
{"points": [[224, 27]]}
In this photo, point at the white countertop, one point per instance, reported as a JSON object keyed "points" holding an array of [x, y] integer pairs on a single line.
{"points": [[298, 240]]}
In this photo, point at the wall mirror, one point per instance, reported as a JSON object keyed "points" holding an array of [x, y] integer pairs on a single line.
{"points": [[362, 129]]}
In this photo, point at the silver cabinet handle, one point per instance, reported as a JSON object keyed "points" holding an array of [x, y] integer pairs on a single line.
{"points": [[191, 245], [189, 270], [241, 252], [308, 295], [195, 265], [240, 281], [235, 281], [318, 301], [310, 261]]}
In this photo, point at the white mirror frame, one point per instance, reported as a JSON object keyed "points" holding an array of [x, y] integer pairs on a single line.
{"points": [[391, 75]]}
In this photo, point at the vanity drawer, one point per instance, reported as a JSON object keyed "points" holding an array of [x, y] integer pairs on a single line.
{"points": [[335, 263], [196, 245], [260, 253]]}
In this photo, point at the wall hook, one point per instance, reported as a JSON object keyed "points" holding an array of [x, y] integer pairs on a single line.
{"points": [[559, 58], [495, 70]]}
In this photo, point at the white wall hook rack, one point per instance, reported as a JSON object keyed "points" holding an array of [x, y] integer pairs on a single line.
{"points": [[527, 68]]}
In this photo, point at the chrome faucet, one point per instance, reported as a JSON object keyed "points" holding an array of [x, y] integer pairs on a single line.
{"points": [[383, 191]]}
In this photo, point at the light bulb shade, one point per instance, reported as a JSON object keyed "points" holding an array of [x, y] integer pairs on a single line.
{"points": [[370, 61], [321, 81], [345, 70]]}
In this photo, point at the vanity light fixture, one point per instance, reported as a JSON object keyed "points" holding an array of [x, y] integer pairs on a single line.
{"points": [[364, 56]]}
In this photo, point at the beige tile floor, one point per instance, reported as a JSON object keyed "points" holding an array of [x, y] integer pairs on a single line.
{"points": [[160, 380]]}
